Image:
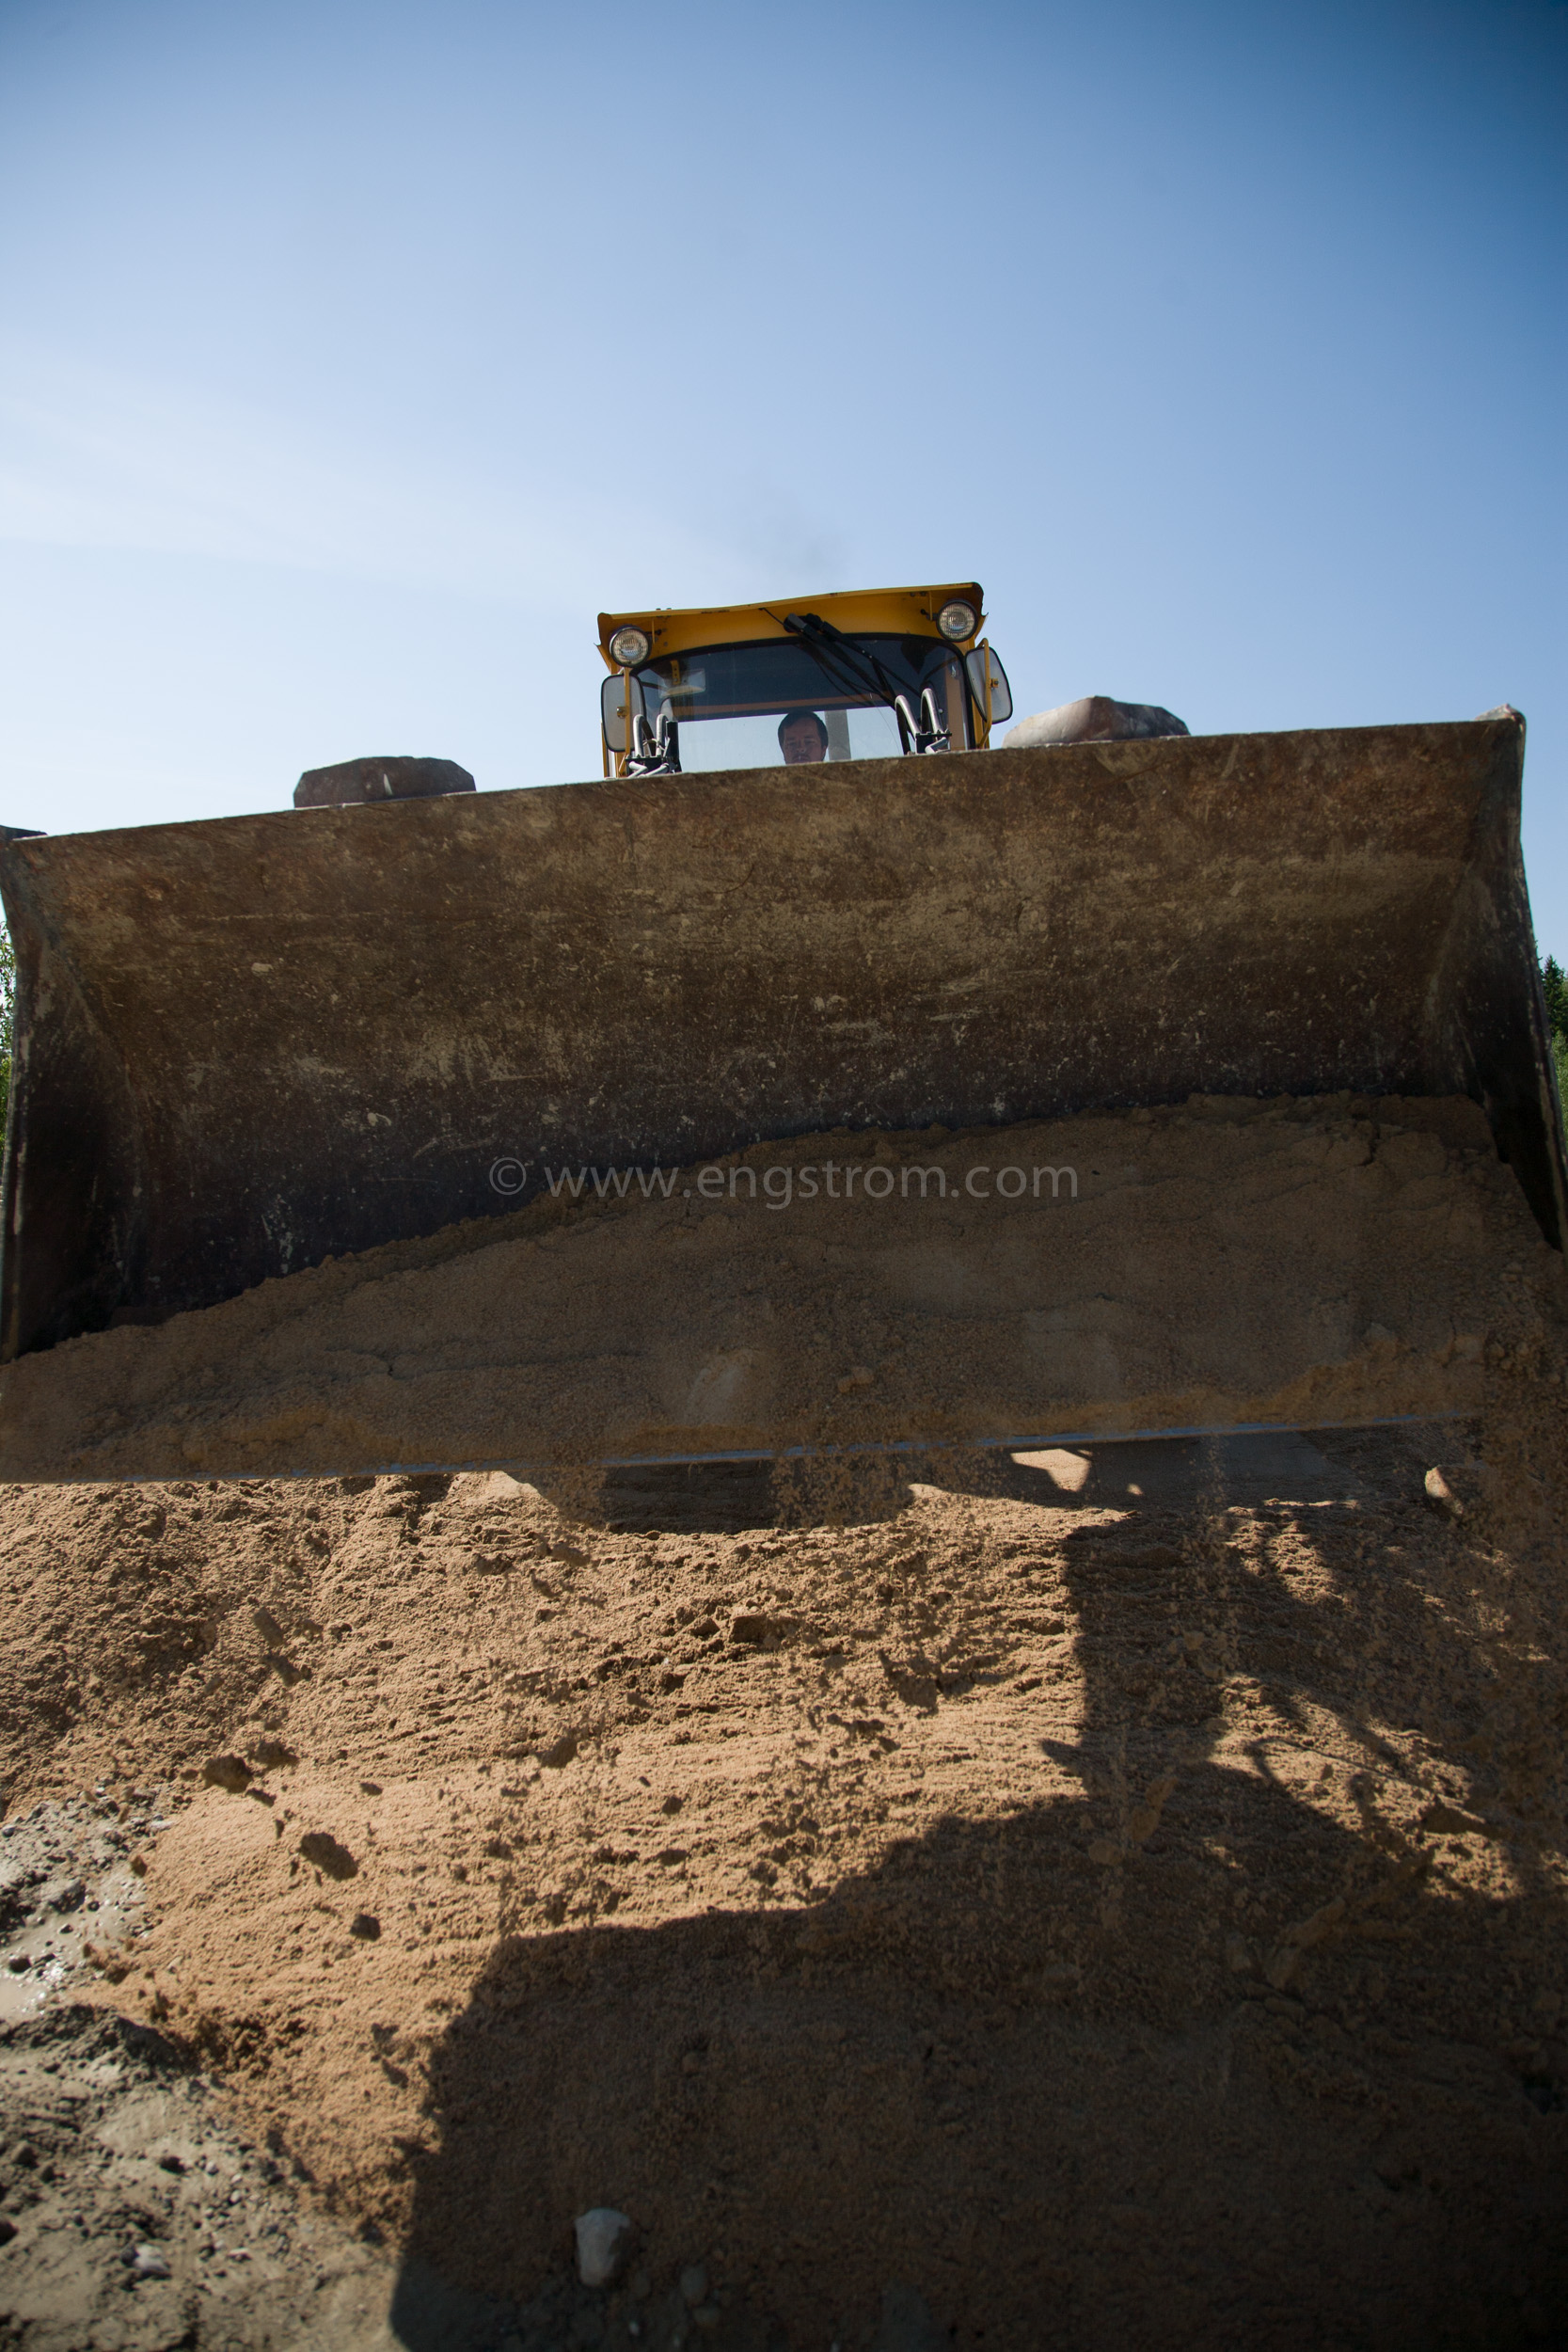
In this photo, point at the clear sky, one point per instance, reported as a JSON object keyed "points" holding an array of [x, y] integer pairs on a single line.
{"points": [[355, 353]]}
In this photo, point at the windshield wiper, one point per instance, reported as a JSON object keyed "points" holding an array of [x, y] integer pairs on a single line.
{"points": [[818, 635], [857, 665]]}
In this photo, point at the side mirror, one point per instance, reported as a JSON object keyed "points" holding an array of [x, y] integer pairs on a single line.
{"points": [[613, 713], [977, 663]]}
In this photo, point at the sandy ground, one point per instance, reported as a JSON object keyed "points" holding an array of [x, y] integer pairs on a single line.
{"points": [[1228, 1260], [1078, 1894], [139, 2216], [1110, 1899]]}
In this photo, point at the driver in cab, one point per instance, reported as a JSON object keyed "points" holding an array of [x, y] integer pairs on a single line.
{"points": [[802, 737]]}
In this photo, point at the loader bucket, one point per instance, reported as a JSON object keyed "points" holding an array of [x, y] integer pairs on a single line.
{"points": [[246, 1046]]}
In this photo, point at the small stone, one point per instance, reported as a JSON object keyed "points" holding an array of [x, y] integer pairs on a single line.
{"points": [[147, 2263], [19, 1964], [1441, 1496], [693, 2285], [1054, 1982], [228, 1772], [366, 1926], [604, 2237], [1447, 1819], [907, 2323], [708, 2316], [1237, 1957], [329, 1855]]}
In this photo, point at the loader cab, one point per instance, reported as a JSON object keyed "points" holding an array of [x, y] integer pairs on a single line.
{"points": [[884, 673]]}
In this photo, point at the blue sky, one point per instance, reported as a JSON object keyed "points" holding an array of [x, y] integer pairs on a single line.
{"points": [[355, 356]]}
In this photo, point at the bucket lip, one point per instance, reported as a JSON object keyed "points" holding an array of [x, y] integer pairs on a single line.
{"points": [[24, 850], [517, 1467]]}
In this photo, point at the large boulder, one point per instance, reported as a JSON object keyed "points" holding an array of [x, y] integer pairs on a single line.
{"points": [[399, 779], [1093, 719]]}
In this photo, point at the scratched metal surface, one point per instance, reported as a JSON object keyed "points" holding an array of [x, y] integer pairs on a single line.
{"points": [[248, 1044]]}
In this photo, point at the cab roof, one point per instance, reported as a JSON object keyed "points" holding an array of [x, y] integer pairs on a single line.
{"points": [[885, 611]]}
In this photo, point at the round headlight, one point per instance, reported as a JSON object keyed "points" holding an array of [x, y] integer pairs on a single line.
{"points": [[628, 646], [957, 620]]}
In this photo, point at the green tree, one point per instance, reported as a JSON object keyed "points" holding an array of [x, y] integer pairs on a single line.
{"points": [[1554, 984], [7, 1013]]}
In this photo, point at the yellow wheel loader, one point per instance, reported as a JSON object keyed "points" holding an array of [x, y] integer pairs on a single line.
{"points": [[808, 893]]}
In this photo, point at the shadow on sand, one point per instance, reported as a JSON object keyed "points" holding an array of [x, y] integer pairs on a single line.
{"points": [[1212, 2063]]}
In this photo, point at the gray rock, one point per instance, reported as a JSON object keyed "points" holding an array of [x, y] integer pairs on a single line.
{"points": [[1093, 719], [389, 778], [693, 2284], [1441, 1496], [604, 2237], [906, 2324]]}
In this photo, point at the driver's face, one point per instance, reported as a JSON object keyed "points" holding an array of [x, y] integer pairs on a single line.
{"points": [[802, 743]]}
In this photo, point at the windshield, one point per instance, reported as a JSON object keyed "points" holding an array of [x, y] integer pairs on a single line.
{"points": [[728, 701]]}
